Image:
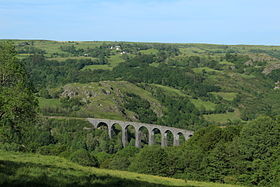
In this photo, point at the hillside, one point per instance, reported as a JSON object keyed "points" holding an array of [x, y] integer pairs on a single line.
{"points": [[226, 84], [103, 99], [33, 170]]}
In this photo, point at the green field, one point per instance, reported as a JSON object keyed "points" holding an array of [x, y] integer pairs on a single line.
{"points": [[33, 169], [170, 90], [229, 96], [72, 58], [113, 62], [206, 69], [48, 102], [223, 118], [149, 51], [102, 67], [207, 105]]}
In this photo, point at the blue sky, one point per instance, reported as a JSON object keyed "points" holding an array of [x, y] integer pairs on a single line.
{"points": [[182, 21]]}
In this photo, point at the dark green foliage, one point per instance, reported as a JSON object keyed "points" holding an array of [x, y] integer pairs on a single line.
{"points": [[258, 137], [53, 73], [272, 52], [260, 149], [123, 158], [233, 156], [71, 133], [141, 107], [275, 75], [103, 158], [44, 93], [72, 104], [50, 73], [83, 158], [52, 149], [151, 160], [221, 108], [18, 106], [181, 112], [28, 49], [238, 60], [193, 62]]}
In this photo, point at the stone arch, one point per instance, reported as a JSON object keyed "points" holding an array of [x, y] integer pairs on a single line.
{"points": [[102, 124], [141, 136], [116, 131], [155, 136], [180, 139], [167, 138], [129, 132], [105, 126]]}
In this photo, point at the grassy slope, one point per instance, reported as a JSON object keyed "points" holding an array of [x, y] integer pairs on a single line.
{"points": [[229, 96], [33, 169], [198, 103], [48, 102], [223, 118], [113, 62], [104, 99], [103, 105]]}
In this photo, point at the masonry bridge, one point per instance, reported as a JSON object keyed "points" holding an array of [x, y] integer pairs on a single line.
{"points": [[137, 126]]}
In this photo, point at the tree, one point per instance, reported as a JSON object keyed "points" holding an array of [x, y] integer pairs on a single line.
{"points": [[122, 158], [259, 149], [83, 158], [18, 106], [258, 137], [151, 160]]}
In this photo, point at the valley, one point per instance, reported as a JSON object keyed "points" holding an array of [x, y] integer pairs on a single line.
{"points": [[54, 94]]}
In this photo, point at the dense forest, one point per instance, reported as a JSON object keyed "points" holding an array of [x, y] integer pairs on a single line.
{"points": [[228, 95]]}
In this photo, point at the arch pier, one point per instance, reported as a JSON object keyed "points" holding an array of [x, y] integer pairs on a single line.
{"points": [[176, 132]]}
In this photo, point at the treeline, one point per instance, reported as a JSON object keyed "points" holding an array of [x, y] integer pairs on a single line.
{"points": [[247, 154], [99, 52], [180, 113], [46, 73], [51, 73]]}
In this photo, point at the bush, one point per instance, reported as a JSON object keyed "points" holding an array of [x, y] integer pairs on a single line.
{"points": [[10, 147], [121, 159], [151, 160], [83, 158], [52, 149], [103, 158]]}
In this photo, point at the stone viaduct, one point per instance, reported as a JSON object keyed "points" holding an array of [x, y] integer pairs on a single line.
{"points": [[150, 127]]}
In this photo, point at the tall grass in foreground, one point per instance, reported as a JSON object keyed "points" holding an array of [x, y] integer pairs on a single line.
{"points": [[33, 170]]}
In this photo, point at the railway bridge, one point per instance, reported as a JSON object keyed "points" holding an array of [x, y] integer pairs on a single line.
{"points": [[176, 132]]}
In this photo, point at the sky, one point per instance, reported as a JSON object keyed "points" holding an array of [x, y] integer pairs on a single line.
{"points": [[173, 21]]}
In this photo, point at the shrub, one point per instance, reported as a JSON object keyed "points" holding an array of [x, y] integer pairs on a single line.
{"points": [[52, 149], [10, 147], [121, 159], [151, 160], [83, 158]]}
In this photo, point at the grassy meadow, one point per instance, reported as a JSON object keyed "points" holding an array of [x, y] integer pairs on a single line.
{"points": [[29, 169]]}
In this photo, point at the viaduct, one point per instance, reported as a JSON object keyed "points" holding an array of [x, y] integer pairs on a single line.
{"points": [[137, 126]]}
